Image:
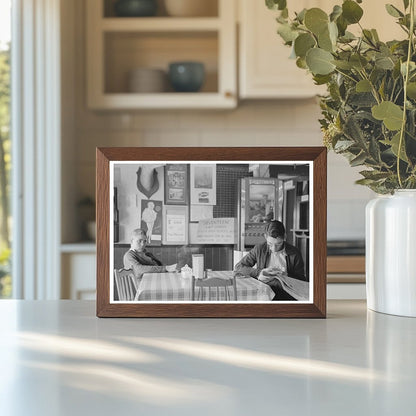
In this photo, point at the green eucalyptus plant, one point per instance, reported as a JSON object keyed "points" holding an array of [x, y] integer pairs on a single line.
{"points": [[369, 112]]}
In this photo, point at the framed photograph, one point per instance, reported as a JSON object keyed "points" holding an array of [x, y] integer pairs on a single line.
{"points": [[261, 253], [176, 184]]}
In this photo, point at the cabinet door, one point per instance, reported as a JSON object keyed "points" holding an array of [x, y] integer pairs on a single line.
{"points": [[266, 71], [78, 276]]}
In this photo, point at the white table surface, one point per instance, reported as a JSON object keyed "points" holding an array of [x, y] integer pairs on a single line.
{"points": [[57, 358]]}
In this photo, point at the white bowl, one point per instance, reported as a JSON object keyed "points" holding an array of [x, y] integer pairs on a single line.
{"points": [[191, 8], [147, 80]]}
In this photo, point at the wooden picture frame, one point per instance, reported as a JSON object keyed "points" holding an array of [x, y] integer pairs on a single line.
{"points": [[315, 158]]}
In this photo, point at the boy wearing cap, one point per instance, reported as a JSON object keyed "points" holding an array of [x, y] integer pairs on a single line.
{"points": [[275, 257]]}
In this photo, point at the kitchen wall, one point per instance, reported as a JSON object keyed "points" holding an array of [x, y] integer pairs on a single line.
{"points": [[253, 123]]}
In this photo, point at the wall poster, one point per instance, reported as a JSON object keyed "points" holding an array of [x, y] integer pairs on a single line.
{"points": [[203, 184]]}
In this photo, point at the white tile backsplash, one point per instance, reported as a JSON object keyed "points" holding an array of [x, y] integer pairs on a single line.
{"points": [[346, 219]]}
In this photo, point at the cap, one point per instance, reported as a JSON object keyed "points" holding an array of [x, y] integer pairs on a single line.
{"points": [[275, 229]]}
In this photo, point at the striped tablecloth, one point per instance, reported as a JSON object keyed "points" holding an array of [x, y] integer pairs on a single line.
{"points": [[173, 287]]}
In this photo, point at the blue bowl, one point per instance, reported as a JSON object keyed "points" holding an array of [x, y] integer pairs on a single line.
{"points": [[186, 76], [135, 8]]}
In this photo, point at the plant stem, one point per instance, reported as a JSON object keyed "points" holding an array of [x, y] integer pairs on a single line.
{"points": [[405, 81], [346, 75]]}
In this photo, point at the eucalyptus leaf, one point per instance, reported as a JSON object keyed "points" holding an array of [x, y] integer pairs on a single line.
{"points": [[412, 67], [303, 43], [276, 4], [354, 132], [336, 12], [301, 63], [321, 79], [301, 15], [363, 86], [391, 114], [395, 142], [345, 65], [319, 61], [281, 19], [374, 150], [333, 32], [342, 25], [358, 160], [325, 42], [412, 124], [382, 89], [351, 11], [384, 62], [365, 182], [287, 33], [411, 90], [393, 11], [358, 61], [347, 37], [316, 20], [396, 70], [375, 35], [343, 145], [405, 21], [369, 36], [375, 175]]}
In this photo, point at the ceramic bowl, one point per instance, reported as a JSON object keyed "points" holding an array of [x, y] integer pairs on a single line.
{"points": [[135, 8], [147, 80], [186, 76]]}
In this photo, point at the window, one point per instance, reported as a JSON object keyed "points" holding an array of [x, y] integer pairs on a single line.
{"points": [[5, 147]]}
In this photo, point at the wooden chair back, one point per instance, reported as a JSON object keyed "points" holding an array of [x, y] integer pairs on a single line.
{"points": [[214, 286], [125, 283]]}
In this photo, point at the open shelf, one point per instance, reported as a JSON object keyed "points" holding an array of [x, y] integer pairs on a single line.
{"points": [[160, 24], [118, 45], [209, 9], [126, 51]]}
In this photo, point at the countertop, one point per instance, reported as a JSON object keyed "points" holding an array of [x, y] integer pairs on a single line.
{"points": [[57, 358]]}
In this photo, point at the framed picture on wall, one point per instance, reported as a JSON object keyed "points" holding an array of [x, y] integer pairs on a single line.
{"points": [[176, 225], [245, 261], [203, 184], [176, 184], [152, 220]]}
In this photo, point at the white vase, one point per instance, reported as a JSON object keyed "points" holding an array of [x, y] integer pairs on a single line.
{"points": [[391, 253]]}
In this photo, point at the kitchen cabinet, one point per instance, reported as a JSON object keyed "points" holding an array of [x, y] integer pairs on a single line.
{"points": [[265, 70], [78, 264], [118, 45]]}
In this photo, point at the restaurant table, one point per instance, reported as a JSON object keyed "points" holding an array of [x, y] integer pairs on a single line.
{"points": [[175, 287], [57, 358]]}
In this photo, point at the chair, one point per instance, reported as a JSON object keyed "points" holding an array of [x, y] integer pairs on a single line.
{"points": [[215, 283], [126, 284]]}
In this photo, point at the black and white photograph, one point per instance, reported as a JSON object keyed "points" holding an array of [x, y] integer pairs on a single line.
{"points": [[250, 244]]}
